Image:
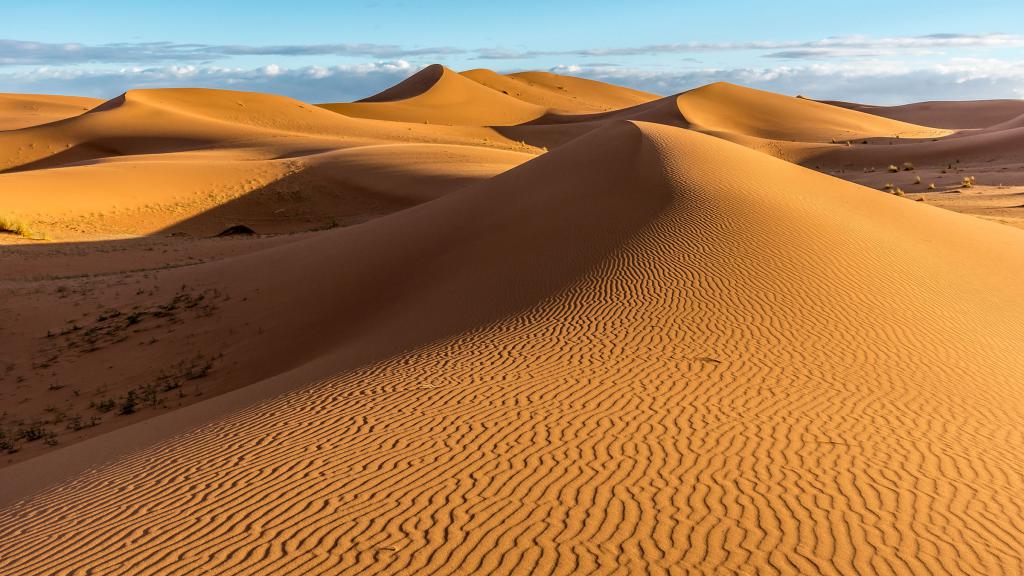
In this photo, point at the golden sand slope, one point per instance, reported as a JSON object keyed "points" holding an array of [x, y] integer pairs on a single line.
{"points": [[23, 110], [439, 95], [772, 371], [560, 94], [724, 107]]}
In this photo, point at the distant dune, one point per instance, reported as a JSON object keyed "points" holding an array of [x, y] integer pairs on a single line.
{"points": [[510, 324], [441, 96], [23, 110], [561, 94], [952, 114], [197, 160]]}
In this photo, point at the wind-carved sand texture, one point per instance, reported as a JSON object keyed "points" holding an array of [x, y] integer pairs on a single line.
{"points": [[659, 347]]}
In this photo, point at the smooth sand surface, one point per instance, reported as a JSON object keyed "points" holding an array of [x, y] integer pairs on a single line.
{"points": [[561, 94], [658, 348], [439, 95], [24, 110]]}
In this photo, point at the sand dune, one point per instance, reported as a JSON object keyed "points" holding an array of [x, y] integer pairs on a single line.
{"points": [[23, 110], [560, 94], [441, 96], [782, 126], [151, 159], [950, 114], [657, 348], [723, 107], [734, 382], [484, 98], [164, 120]]}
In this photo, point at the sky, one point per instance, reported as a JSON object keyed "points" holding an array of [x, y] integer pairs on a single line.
{"points": [[878, 52]]}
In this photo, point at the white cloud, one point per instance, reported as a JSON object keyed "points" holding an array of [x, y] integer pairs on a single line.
{"points": [[878, 81], [872, 82], [20, 52], [839, 46], [309, 83]]}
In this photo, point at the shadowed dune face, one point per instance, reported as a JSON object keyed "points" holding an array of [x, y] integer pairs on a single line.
{"points": [[735, 386], [152, 159], [657, 348], [953, 115]]}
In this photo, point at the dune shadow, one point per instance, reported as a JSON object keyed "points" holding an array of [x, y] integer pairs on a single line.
{"points": [[298, 202], [107, 148]]}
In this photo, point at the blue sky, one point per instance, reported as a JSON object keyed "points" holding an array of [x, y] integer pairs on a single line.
{"points": [[873, 51]]}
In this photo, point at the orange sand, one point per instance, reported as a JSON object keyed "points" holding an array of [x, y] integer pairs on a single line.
{"points": [[657, 348]]}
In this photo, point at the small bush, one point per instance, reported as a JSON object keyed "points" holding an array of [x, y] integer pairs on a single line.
{"points": [[908, 166], [917, 180], [128, 404], [17, 227], [105, 405], [931, 186], [32, 432], [894, 168], [967, 182]]}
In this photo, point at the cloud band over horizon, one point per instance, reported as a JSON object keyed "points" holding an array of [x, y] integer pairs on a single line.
{"points": [[875, 70]]}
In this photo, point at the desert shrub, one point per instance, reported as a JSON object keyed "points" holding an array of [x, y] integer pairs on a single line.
{"points": [[931, 186], [12, 226], [908, 166], [31, 432], [105, 405], [967, 182], [129, 403], [917, 180], [894, 168]]}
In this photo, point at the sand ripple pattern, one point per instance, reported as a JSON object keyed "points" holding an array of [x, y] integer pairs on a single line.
{"points": [[765, 380]]}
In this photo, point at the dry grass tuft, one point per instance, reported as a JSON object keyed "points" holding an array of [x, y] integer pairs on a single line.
{"points": [[13, 226]]}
